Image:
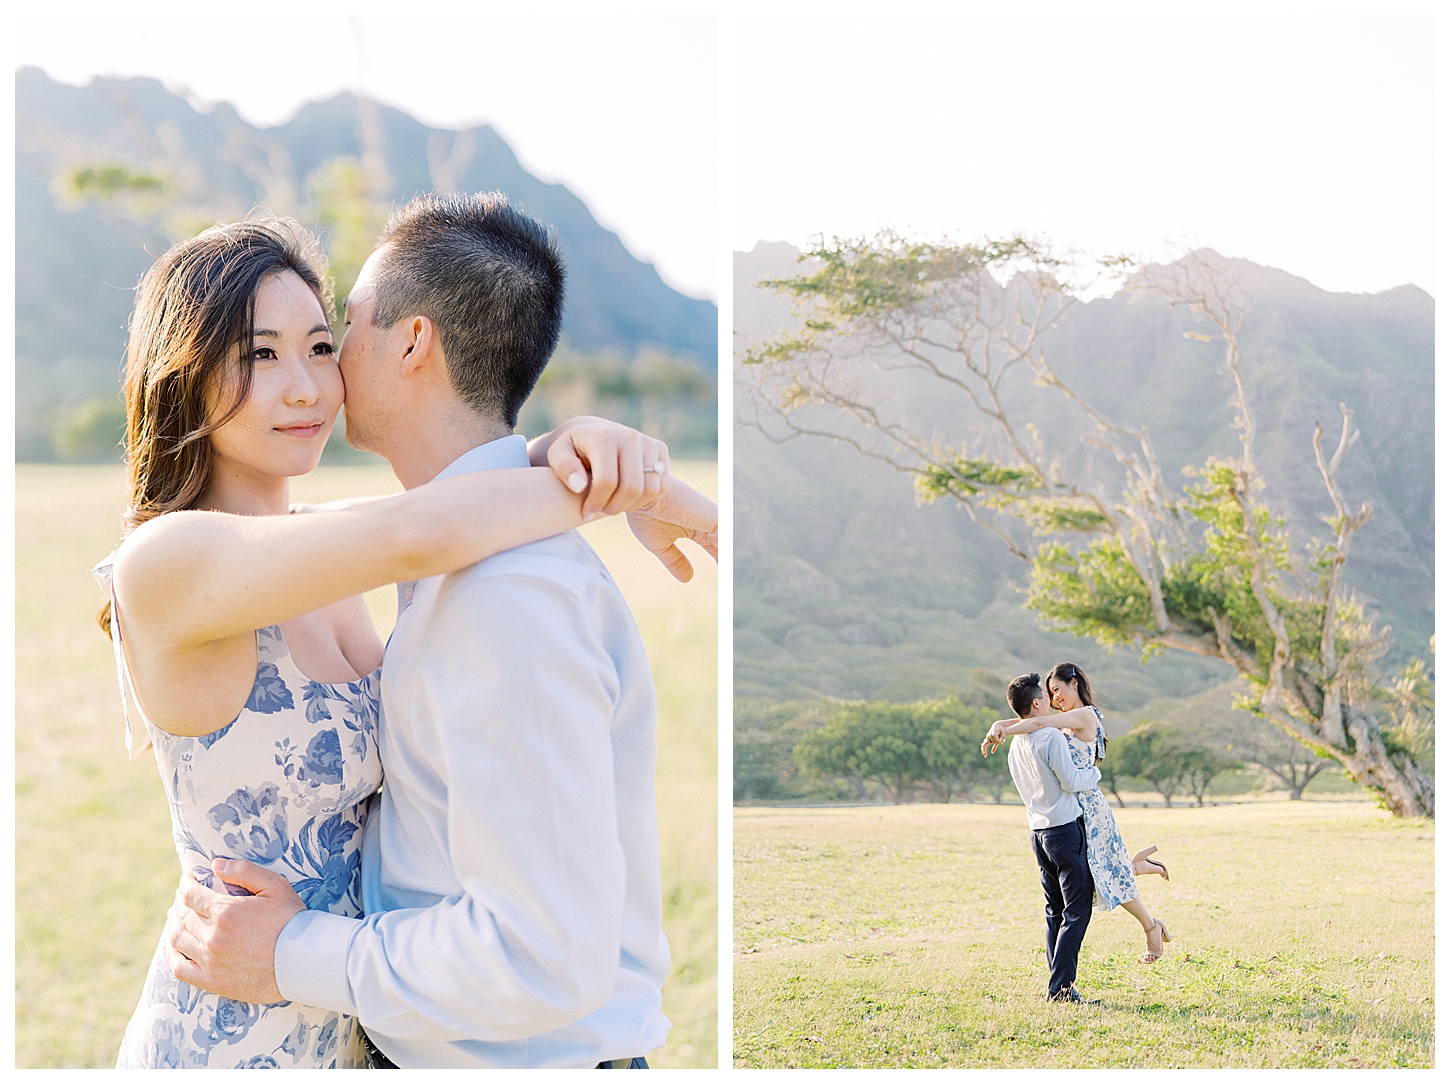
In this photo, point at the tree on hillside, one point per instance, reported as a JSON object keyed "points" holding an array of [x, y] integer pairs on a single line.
{"points": [[1207, 569]]}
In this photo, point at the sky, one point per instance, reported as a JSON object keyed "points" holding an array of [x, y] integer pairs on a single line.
{"points": [[618, 102], [1293, 135]]}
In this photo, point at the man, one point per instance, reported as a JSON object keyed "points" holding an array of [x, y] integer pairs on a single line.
{"points": [[510, 866], [1047, 780]]}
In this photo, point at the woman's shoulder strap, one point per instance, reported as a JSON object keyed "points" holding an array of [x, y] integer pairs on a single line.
{"points": [[104, 572]]}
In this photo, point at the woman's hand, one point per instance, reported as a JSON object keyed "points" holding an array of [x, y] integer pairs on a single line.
{"points": [[993, 739], [622, 468], [677, 512]]}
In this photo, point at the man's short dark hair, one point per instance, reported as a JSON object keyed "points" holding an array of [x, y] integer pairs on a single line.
{"points": [[1022, 691], [491, 279]]}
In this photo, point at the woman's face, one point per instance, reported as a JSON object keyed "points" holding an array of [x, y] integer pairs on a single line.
{"points": [[1064, 694], [296, 387]]}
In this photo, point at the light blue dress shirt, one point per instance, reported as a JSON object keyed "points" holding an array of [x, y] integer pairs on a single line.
{"points": [[510, 871], [1046, 777]]}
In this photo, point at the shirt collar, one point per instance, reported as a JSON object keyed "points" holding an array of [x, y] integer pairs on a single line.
{"points": [[510, 451]]}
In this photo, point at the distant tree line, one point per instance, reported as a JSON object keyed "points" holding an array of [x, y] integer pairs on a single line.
{"points": [[931, 749], [899, 746]]}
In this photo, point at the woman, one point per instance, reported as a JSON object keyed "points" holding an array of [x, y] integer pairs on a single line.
{"points": [[241, 638], [1113, 871]]}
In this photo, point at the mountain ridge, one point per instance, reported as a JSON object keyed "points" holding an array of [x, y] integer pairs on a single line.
{"points": [[846, 587], [83, 260]]}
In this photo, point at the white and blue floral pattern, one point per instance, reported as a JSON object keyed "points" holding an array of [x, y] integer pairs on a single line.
{"points": [[1108, 858], [284, 785]]}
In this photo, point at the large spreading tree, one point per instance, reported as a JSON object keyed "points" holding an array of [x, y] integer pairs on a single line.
{"points": [[1207, 568]]}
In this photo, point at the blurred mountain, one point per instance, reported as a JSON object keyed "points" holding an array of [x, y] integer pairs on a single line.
{"points": [[108, 174], [847, 588]]}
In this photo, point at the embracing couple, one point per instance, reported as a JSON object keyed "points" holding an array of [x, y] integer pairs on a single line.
{"points": [[439, 855], [1075, 839]]}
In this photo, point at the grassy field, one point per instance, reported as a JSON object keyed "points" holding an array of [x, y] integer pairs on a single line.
{"points": [[913, 936], [95, 866]]}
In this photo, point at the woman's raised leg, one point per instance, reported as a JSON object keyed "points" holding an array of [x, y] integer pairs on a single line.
{"points": [[1157, 932]]}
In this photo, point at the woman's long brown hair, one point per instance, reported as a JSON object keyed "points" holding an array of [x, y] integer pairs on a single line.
{"points": [[1064, 672], [191, 338], [1068, 671]]}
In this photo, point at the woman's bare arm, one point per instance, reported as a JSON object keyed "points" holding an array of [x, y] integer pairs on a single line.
{"points": [[192, 578], [1022, 726], [1083, 722], [998, 731]]}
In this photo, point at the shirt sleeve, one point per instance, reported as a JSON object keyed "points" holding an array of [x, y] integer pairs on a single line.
{"points": [[522, 702], [1071, 778]]}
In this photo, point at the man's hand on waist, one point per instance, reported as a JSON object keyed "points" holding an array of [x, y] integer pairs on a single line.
{"points": [[226, 944]]}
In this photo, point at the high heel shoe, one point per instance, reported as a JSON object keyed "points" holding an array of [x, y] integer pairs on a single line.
{"points": [[1155, 954], [1142, 864]]}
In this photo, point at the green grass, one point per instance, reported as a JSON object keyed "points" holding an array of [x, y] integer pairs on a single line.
{"points": [[913, 936], [95, 865]]}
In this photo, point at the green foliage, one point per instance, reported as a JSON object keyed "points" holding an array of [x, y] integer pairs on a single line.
{"points": [[1093, 592], [107, 182], [1168, 758], [1062, 516], [971, 475], [92, 432], [1015, 490], [870, 278], [990, 772], [1411, 701], [897, 745]]}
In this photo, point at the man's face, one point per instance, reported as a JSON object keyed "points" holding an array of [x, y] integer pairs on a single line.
{"points": [[1042, 705], [364, 365]]}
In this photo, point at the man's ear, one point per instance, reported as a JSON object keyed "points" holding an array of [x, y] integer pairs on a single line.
{"points": [[422, 340]]}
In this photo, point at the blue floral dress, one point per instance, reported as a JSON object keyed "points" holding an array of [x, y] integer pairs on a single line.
{"points": [[284, 785], [1108, 858]]}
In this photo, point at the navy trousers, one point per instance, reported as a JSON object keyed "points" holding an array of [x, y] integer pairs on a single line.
{"points": [[1067, 882]]}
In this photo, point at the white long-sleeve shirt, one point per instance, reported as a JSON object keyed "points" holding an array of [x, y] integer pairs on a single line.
{"points": [[511, 866], [1047, 779]]}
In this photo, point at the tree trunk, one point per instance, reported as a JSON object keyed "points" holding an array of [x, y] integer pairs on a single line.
{"points": [[1405, 790]]}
